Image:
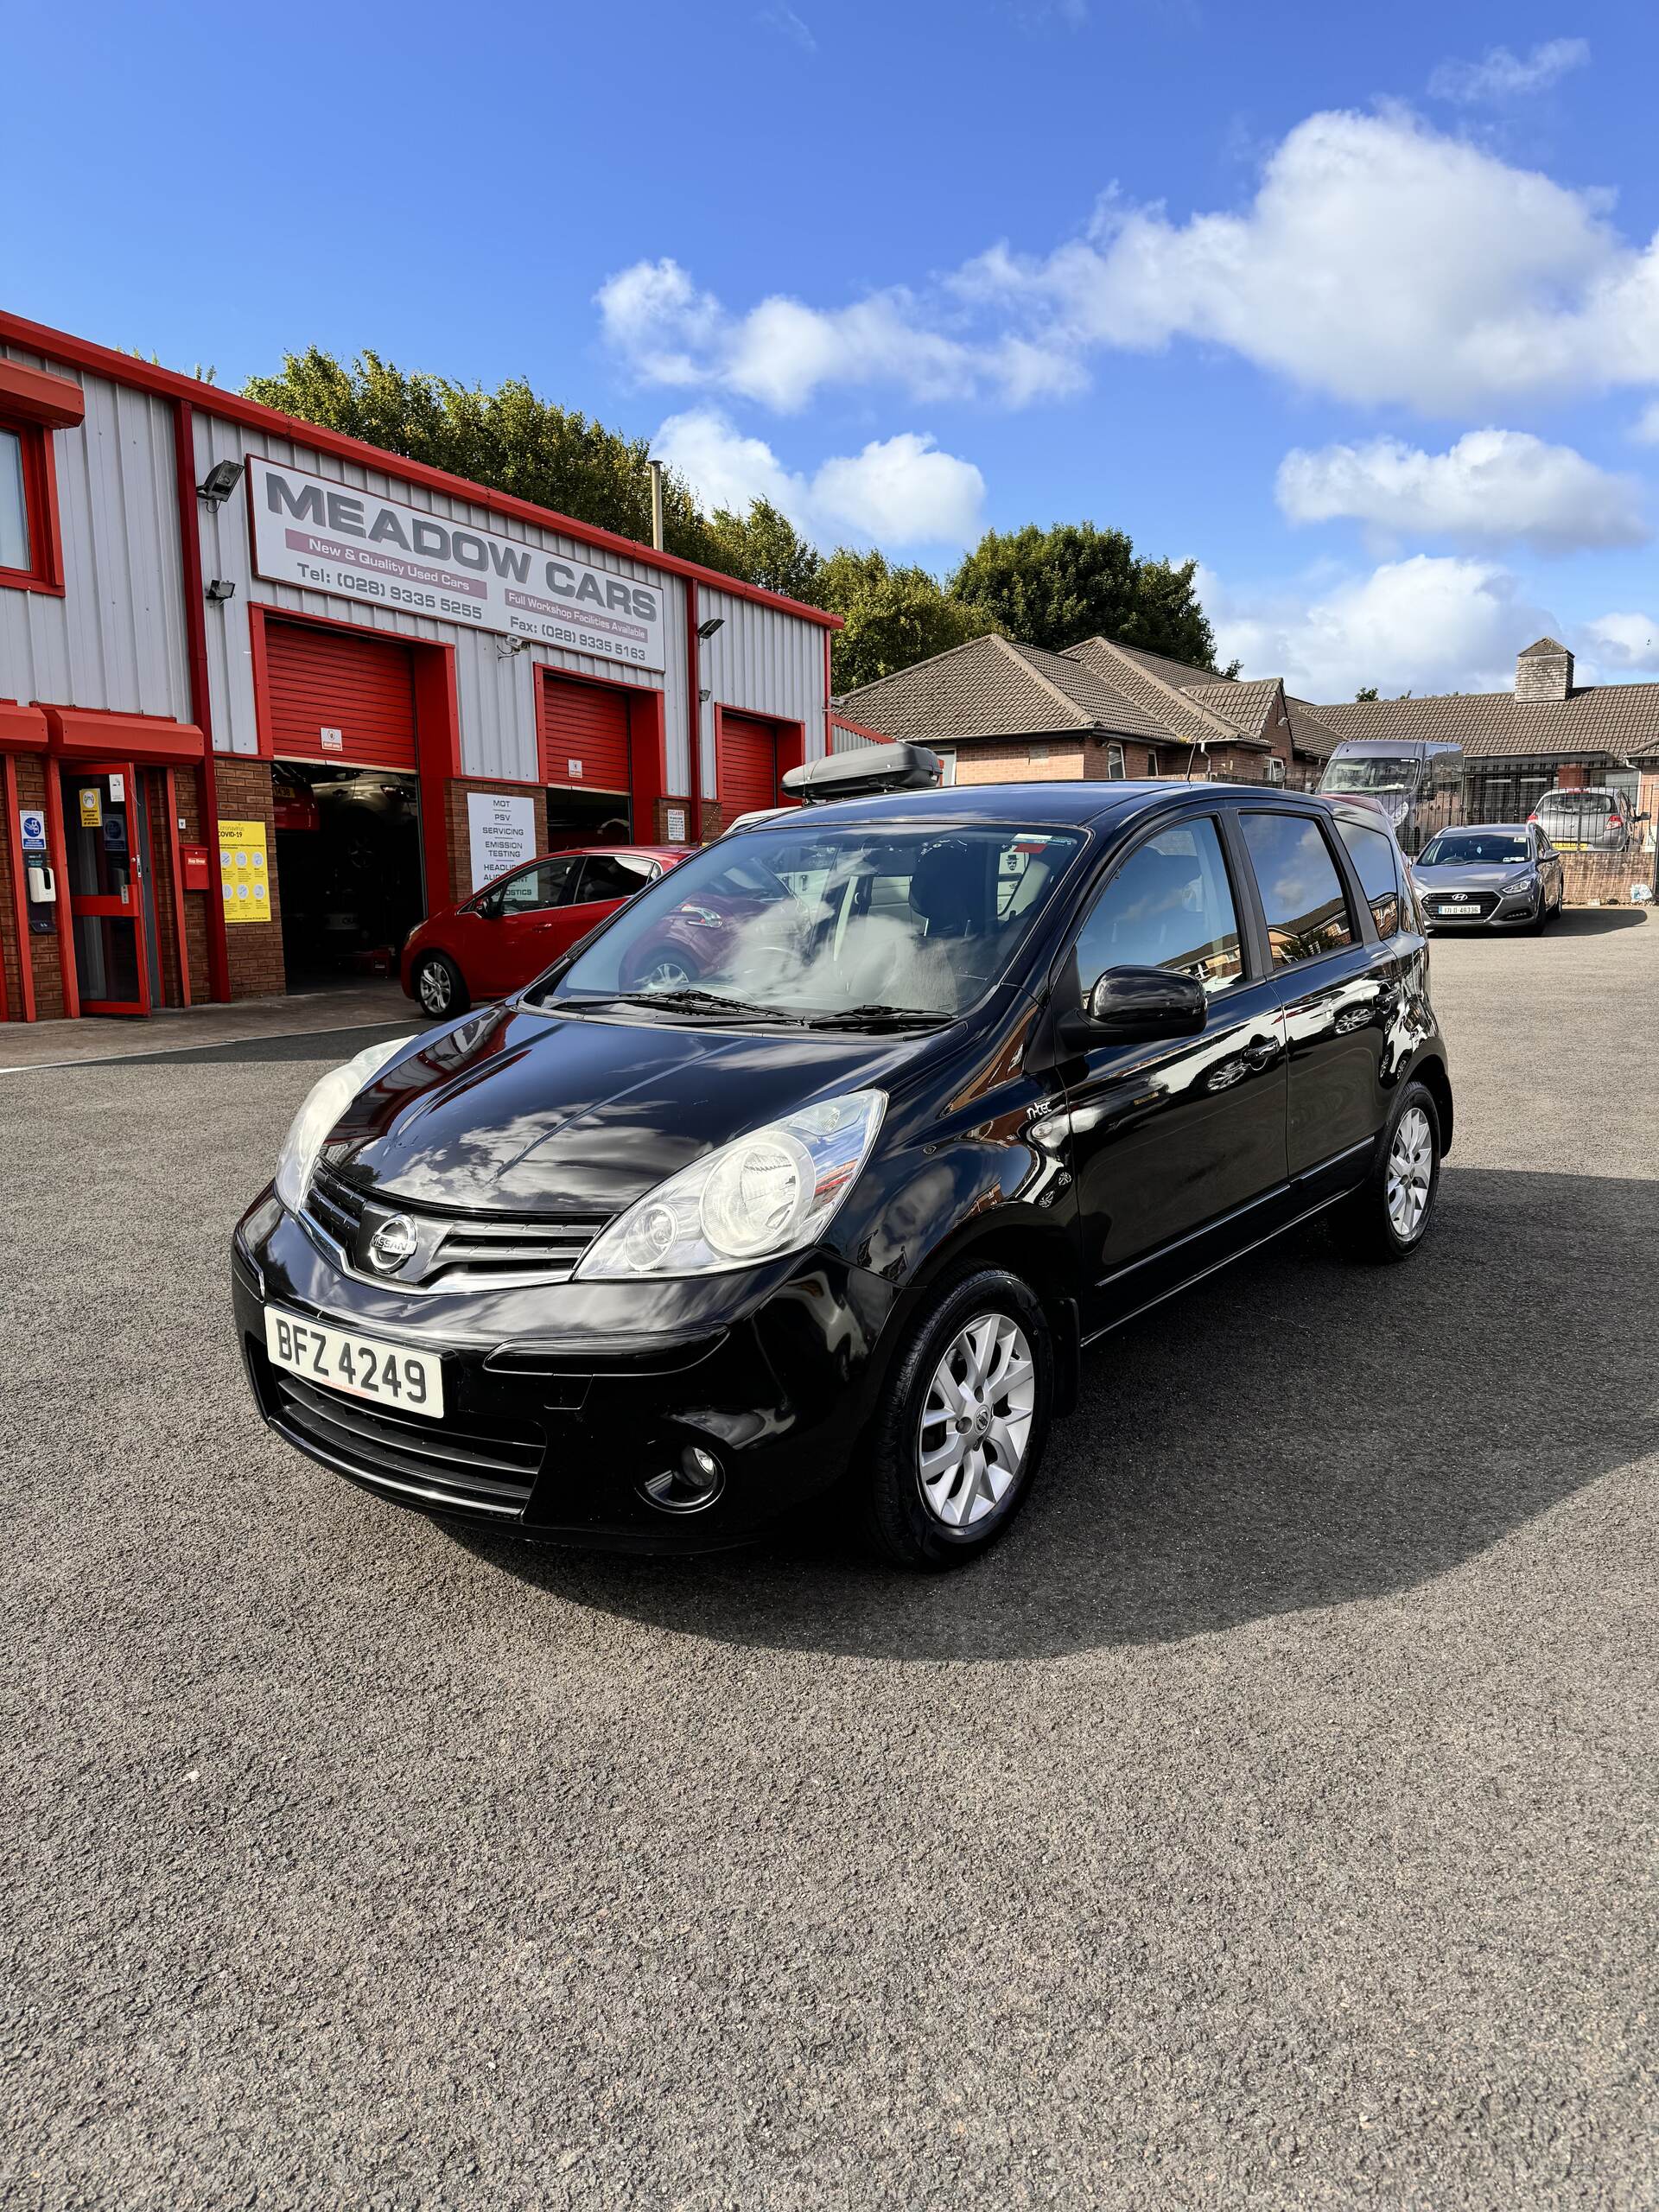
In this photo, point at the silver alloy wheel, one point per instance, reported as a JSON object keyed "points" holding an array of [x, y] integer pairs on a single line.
{"points": [[1411, 1164], [666, 974], [976, 1421], [433, 985]]}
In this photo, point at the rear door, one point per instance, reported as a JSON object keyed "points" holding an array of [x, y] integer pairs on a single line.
{"points": [[1340, 990], [1177, 1146]]}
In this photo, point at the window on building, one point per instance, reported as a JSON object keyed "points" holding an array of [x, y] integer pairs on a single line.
{"points": [[1169, 906], [28, 537], [1153, 769], [1275, 769], [1302, 897], [947, 766], [1372, 855], [1115, 769]]}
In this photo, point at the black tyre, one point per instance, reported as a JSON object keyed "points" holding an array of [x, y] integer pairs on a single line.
{"points": [[440, 987], [963, 1424], [1389, 1216]]}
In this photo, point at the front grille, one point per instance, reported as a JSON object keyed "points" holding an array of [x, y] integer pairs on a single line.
{"points": [[1482, 901], [455, 1251], [489, 1469]]}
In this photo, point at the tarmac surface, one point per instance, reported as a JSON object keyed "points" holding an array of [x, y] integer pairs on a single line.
{"points": [[1269, 1821]]}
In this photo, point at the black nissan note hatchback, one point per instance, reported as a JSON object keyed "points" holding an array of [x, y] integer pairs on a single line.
{"points": [[810, 1174]]}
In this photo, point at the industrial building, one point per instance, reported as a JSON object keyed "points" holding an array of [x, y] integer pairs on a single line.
{"points": [[268, 694]]}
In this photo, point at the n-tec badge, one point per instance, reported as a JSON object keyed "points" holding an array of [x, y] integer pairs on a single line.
{"points": [[392, 1243]]}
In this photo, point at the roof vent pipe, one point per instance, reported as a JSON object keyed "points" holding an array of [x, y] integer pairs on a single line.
{"points": [[657, 506]]}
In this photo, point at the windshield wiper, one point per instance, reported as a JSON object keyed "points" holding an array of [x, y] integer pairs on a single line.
{"points": [[879, 1017], [690, 1000]]}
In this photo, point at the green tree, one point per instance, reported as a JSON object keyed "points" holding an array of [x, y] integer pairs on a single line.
{"points": [[764, 548], [1055, 588], [508, 438], [1366, 691], [894, 617]]}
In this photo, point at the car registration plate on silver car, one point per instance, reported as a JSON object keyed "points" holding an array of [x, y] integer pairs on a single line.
{"points": [[362, 1367], [1457, 906]]}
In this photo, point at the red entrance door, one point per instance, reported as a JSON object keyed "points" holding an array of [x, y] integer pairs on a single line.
{"points": [[109, 894]]}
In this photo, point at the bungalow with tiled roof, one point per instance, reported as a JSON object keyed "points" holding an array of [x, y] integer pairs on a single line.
{"points": [[998, 712]]}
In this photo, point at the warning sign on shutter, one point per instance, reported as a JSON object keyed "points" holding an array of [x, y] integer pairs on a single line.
{"points": [[573, 768], [333, 741]]}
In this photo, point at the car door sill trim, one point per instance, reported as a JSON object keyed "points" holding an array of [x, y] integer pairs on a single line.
{"points": [[1215, 1268]]}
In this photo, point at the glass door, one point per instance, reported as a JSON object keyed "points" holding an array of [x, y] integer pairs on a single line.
{"points": [[109, 890]]}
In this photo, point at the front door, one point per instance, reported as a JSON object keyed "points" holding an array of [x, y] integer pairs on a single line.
{"points": [[516, 930], [1177, 1146], [109, 887]]}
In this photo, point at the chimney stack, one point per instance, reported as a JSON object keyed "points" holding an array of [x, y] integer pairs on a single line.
{"points": [[1544, 671]]}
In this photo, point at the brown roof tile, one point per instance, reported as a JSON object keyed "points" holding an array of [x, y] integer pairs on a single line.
{"points": [[1599, 721], [1308, 733], [991, 687], [1139, 677]]}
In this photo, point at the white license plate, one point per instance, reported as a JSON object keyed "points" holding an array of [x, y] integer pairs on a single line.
{"points": [[1458, 910], [362, 1367]]}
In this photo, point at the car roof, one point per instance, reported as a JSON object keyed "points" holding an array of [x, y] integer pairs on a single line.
{"points": [[647, 852], [1017, 803], [1482, 829]]}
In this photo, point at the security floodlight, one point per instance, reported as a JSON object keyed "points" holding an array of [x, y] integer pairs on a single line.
{"points": [[708, 629], [219, 591], [220, 482]]}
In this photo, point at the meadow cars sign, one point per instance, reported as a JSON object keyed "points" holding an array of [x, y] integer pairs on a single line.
{"points": [[333, 538]]}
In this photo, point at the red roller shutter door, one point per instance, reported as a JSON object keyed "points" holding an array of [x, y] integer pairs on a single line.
{"points": [[585, 736], [321, 679], [748, 765]]}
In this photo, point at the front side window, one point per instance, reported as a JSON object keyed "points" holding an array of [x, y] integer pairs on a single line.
{"points": [[547, 884], [16, 551], [1169, 906], [1302, 896], [1372, 855], [817, 921]]}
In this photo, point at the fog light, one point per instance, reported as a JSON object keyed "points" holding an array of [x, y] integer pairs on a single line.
{"points": [[695, 1482]]}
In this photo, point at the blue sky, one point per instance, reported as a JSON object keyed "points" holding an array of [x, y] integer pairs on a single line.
{"points": [[1360, 307]]}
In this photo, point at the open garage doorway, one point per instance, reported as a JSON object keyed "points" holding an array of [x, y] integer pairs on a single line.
{"points": [[348, 869]]}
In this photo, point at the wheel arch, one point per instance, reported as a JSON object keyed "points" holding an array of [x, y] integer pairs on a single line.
{"points": [[1431, 1072]]}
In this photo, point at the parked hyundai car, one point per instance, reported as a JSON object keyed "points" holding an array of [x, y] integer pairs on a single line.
{"points": [[1582, 818], [977, 1075], [1504, 875], [505, 935]]}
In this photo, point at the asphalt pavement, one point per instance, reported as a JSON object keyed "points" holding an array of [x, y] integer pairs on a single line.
{"points": [[1269, 1821]]}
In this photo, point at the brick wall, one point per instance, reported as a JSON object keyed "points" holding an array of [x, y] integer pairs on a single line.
{"points": [[44, 952], [1021, 760], [656, 830], [10, 970], [255, 948], [458, 834], [187, 799]]}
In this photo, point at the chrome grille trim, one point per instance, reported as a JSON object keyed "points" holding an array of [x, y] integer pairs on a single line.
{"points": [[460, 1252]]}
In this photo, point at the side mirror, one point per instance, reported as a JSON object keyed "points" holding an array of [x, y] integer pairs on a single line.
{"points": [[1132, 1006]]}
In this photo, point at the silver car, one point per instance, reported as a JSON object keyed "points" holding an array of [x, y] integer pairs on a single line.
{"points": [[1501, 875]]}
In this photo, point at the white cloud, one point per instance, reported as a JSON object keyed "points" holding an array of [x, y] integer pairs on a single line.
{"points": [[900, 490], [1500, 75], [1423, 625], [1623, 643], [788, 24], [1645, 429], [1491, 485], [1379, 260]]}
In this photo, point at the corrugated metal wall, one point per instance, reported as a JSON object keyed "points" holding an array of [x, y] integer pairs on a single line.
{"points": [[763, 662], [114, 642], [497, 689], [843, 739]]}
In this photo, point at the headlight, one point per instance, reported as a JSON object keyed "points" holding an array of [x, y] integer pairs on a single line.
{"points": [[1520, 887], [325, 1102], [770, 1191]]}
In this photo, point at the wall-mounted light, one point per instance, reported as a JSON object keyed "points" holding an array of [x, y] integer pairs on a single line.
{"points": [[219, 591], [708, 629], [705, 693], [221, 480]]}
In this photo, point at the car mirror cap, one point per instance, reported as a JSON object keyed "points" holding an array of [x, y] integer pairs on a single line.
{"points": [[1136, 1005]]}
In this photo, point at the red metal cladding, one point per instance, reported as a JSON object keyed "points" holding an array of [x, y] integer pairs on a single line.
{"points": [[336, 696], [585, 736]]}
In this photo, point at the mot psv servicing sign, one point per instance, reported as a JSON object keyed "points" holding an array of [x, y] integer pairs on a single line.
{"points": [[333, 538]]}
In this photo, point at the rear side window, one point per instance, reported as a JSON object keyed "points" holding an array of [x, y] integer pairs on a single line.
{"points": [[1302, 896], [612, 876], [1372, 855], [1169, 906]]}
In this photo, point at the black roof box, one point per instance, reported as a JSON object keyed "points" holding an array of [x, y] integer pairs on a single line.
{"points": [[872, 768]]}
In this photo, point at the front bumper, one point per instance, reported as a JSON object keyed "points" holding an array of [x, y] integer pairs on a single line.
{"points": [[1507, 914], [554, 1431]]}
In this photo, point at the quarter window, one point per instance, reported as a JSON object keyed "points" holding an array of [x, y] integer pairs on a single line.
{"points": [[1169, 906], [1302, 896], [1372, 855]]}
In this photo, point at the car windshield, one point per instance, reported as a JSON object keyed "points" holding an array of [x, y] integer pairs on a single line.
{"points": [[1382, 773], [1473, 848], [816, 921]]}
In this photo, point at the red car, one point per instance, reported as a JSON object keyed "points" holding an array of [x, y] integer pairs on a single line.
{"points": [[506, 933]]}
